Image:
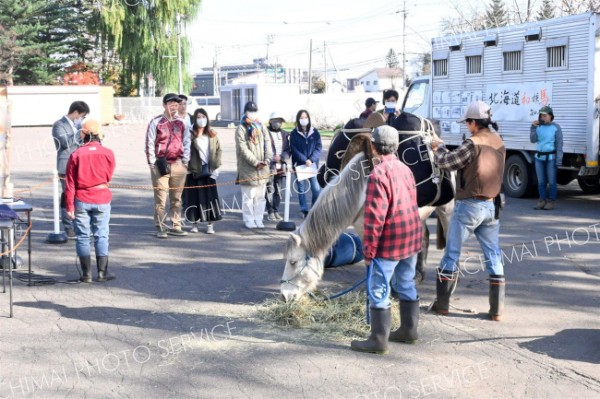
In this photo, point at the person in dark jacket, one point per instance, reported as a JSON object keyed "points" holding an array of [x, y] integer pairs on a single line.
{"points": [[281, 153], [306, 146], [65, 133], [89, 170]]}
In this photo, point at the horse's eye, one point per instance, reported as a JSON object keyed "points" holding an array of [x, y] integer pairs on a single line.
{"points": [[293, 262]]}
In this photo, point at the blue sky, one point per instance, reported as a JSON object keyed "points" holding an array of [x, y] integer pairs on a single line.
{"points": [[357, 36]]}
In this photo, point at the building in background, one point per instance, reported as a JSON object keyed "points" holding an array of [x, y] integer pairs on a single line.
{"points": [[378, 79]]}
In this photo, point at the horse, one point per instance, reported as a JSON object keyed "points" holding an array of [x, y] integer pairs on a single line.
{"points": [[340, 204]]}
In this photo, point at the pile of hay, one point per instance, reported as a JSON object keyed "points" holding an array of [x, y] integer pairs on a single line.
{"points": [[341, 319]]}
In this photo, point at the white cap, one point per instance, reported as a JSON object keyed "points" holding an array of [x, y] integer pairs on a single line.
{"points": [[477, 110], [276, 115]]}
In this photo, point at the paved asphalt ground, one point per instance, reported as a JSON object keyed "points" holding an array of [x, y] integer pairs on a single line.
{"points": [[177, 322]]}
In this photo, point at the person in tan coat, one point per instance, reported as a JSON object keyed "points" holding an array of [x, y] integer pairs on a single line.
{"points": [[254, 153]]}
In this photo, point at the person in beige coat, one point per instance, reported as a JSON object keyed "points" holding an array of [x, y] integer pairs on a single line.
{"points": [[253, 150]]}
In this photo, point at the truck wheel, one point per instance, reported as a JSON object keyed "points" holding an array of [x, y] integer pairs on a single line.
{"points": [[218, 117], [589, 185], [519, 177]]}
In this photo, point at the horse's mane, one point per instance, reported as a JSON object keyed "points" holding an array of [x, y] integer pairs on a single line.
{"points": [[336, 208]]}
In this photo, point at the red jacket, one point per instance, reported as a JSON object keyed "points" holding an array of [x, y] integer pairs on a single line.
{"points": [[392, 223], [157, 140], [90, 166]]}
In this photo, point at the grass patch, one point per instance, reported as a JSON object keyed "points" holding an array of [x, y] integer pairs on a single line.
{"points": [[341, 319]]}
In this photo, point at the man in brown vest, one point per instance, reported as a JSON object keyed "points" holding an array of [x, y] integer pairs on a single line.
{"points": [[479, 161]]}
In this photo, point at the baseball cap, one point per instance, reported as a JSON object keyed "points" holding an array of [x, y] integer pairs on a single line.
{"points": [[546, 110], [370, 101], [477, 110], [92, 127], [250, 107], [171, 97], [385, 135]]}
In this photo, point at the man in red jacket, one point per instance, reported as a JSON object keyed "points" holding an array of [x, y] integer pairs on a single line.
{"points": [[88, 197], [392, 240]]}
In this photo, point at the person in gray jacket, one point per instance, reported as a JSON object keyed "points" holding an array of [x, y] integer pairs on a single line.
{"points": [[65, 133]]}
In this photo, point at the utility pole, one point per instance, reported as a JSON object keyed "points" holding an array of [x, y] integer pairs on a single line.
{"points": [[404, 47], [178, 19], [310, 68], [325, 63], [528, 9]]}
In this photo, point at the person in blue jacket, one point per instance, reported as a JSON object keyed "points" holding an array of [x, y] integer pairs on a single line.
{"points": [[549, 153], [306, 146]]}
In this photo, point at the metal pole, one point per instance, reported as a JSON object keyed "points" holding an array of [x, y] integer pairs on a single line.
{"points": [[178, 17], [285, 224], [310, 68], [325, 63], [404, 48]]}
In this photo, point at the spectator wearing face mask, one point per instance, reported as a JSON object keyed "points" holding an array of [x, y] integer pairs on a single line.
{"points": [[201, 195], [305, 146], [390, 102], [281, 154], [65, 133], [253, 150]]}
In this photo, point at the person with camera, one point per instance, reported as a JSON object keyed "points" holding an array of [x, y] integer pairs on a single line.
{"points": [[254, 153], [168, 153], [479, 162], [280, 147], [549, 153], [89, 170]]}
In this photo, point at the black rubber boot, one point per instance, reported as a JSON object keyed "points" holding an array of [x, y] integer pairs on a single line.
{"points": [[86, 269], [381, 323], [103, 274], [409, 322], [445, 286], [497, 291]]}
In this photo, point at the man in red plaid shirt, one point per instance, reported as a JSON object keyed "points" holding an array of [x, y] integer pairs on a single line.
{"points": [[392, 240]]}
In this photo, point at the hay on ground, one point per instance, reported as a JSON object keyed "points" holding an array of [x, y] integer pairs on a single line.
{"points": [[341, 319]]}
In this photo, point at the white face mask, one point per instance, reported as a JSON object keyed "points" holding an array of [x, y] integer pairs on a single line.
{"points": [[201, 122], [275, 125], [78, 122], [390, 106], [303, 122], [251, 115]]}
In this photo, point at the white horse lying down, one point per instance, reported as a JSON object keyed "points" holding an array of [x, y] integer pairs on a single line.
{"points": [[340, 204]]}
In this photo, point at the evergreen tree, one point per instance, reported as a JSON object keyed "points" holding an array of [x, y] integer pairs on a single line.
{"points": [[496, 15], [546, 10], [391, 60]]}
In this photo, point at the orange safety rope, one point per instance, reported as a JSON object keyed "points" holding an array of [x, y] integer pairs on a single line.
{"points": [[19, 243]]}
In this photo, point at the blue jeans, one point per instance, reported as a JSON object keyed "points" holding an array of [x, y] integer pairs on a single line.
{"points": [[546, 174], [384, 273], [95, 217], [302, 189], [473, 216]]}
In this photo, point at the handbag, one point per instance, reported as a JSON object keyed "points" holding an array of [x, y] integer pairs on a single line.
{"points": [[205, 171], [161, 162]]}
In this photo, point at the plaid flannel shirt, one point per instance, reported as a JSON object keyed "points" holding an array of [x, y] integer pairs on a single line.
{"points": [[457, 159], [392, 224]]}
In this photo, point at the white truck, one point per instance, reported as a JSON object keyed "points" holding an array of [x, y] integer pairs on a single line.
{"points": [[516, 70]]}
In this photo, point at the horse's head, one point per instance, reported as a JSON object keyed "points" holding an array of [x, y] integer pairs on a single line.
{"points": [[302, 271]]}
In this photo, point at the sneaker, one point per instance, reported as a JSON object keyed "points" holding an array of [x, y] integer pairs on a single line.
{"points": [[277, 216], [540, 204], [194, 228], [161, 234], [70, 234], [210, 229], [549, 206], [260, 225], [250, 225], [271, 217], [177, 232]]}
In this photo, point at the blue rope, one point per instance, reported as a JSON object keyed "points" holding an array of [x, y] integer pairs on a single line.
{"points": [[347, 290]]}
